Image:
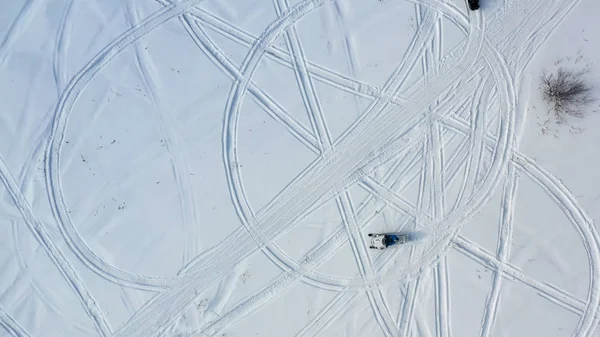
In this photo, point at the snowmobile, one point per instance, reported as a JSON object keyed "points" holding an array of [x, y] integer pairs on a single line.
{"points": [[382, 241]]}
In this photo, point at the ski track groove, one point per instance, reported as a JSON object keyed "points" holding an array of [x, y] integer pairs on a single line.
{"points": [[11, 325], [62, 264], [178, 160], [398, 77], [376, 298], [437, 171], [391, 198], [142, 323], [257, 232], [503, 252], [59, 146], [439, 42], [316, 256], [310, 259], [326, 316], [60, 48], [305, 84], [38, 146], [407, 309], [282, 57], [421, 327], [405, 312], [474, 140], [433, 145], [442, 299], [333, 78], [260, 97], [36, 288], [459, 126], [348, 41], [487, 259], [55, 142], [479, 148], [585, 228], [326, 75], [402, 205], [423, 183], [423, 56], [324, 168], [22, 20], [396, 175], [94, 114]]}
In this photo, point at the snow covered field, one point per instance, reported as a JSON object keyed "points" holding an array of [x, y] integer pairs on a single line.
{"points": [[213, 168]]}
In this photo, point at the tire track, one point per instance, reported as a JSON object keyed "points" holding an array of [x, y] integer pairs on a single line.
{"points": [[60, 49], [486, 259], [433, 162], [397, 177], [423, 58], [324, 142], [482, 128], [282, 57], [40, 233], [394, 84], [322, 167], [406, 312], [260, 97], [261, 45], [449, 178], [173, 144], [421, 328], [55, 142], [586, 229], [320, 73], [442, 299], [39, 139], [392, 199], [506, 225], [307, 89], [476, 132], [437, 170], [26, 14], [376, 299], [315, 257], [438, 43], [36, 288], [463, 128], [532, 32], [11, 325], [327, 316], [349, 45], [325, 75]]}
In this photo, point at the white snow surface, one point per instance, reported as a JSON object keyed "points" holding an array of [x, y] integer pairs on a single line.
{"points": [[213, 168]]}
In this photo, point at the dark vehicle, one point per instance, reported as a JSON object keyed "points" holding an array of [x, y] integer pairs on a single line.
{"points": [[473, 4]]}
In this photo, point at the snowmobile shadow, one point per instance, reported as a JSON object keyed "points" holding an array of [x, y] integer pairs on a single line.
{"points": [[415, 236], [412, 237]]}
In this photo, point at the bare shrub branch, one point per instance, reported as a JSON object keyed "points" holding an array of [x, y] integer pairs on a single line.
{"points": [[567, 93]]}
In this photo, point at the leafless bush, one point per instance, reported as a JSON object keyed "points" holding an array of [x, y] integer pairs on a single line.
{"points": [[567, 92]]}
